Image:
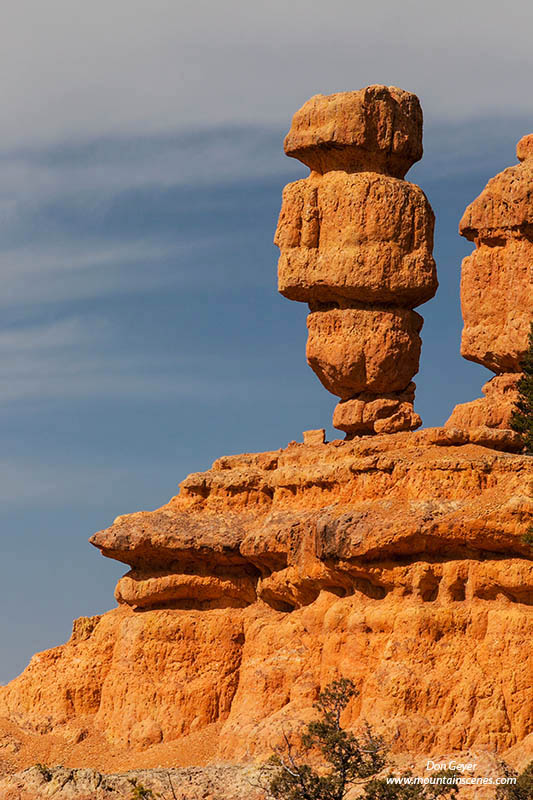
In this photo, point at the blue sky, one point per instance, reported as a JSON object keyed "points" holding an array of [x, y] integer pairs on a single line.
{"points": [[141, 334]]}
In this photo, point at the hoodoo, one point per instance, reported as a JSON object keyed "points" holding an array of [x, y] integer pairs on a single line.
{"points": [[396, 560], [497, 289], [356, 242]]}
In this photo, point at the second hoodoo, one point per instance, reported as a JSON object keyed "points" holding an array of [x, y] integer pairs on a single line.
{"points": [[497, 289]]}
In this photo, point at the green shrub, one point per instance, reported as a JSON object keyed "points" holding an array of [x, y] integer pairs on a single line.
{"points": [[139, 792], [348, 758], [522, 418]]}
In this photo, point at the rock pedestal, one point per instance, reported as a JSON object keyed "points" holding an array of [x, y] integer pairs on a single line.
{"points": [[355, 244], [497, 288]]}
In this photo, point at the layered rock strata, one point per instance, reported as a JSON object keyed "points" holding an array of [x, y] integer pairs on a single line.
{"points": [[397, 561], [497, 288], [355, 244]]}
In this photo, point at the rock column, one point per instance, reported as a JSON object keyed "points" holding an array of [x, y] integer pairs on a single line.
{"points": [[497, 289], [356, 243]]}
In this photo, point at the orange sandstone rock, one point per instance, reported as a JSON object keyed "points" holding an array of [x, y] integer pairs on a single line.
{"points": [[358, 350], [355, 243], [317, 436], [524, 148], [361, 414], [497, 279], [497, 287], [356, 237], [397, 561], [497, 302], [140, 678], [377, 129], [494, 410]]}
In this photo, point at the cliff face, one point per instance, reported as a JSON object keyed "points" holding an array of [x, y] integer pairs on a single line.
{"points": [[395, 560]]}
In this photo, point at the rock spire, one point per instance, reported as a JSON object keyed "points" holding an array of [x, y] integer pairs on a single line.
{"points": [[356, 244], [497, 288]]}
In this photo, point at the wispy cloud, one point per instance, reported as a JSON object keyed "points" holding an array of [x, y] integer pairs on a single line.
{"points": [[63, 271], [205, 156], [80, 357], [87, 219], [111, 218], [49, 482], [90, 217]]}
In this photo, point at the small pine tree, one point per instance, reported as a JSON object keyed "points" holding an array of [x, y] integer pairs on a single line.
{"points": [[349, 758], [522, 418]]}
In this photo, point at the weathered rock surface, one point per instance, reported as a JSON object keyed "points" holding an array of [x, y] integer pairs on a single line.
{"points": [[494, 410], [377, 129], [358, 350], [63, 783], [497, 301], [397, 561], [361, 237], [497, 287], [366, 414], [355, 243]]}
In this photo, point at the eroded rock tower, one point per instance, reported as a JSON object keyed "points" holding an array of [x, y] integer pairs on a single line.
{"points": [[356, 244], [497, 289]]}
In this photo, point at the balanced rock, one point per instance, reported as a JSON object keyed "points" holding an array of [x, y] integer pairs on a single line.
{"points": [[355, 244], [497, 287], [376, 129]]}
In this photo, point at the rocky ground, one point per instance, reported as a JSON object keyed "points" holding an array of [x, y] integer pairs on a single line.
{"points": [[193, 783], [212, 782]]}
